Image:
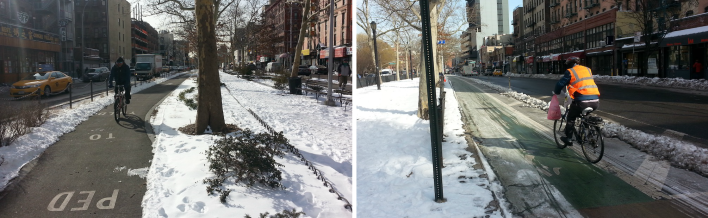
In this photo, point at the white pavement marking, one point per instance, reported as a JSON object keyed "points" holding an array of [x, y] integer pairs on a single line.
{"points": [[673, 134], [653, 171], [86, 202]]}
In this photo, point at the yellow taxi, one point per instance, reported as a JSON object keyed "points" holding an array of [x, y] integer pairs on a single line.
{"points": [[43, 83], [497, 72]]}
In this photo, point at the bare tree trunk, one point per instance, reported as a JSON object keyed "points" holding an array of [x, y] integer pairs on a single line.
{"points": [[398, 69], [423, 106], [209, 110], [301, 40]]}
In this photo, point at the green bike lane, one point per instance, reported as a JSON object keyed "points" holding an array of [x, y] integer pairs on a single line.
{"points": [[96, 170], [541, 180]]}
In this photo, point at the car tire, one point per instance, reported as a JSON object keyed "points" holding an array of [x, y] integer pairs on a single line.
{"points": [[47, 90]]}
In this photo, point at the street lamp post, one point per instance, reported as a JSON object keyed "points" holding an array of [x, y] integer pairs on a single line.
{"points": [[82, 39], [376, 56]]}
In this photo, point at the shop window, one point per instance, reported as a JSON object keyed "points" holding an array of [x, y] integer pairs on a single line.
{"points": [[689, 13], [705, 9]]}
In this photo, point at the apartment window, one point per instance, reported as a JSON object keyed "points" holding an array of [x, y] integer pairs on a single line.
{"points": [[344, 19], [689, 13], [335, 21]]}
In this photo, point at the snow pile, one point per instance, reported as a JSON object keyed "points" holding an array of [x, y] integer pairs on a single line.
{"points": [[27, 147], [528, 100], [699, 84], [681, 154], [322, 134], [394, 168]]}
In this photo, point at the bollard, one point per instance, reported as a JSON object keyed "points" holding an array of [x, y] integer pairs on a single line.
{"points": [[509, 82], [91, 81], [106, 87], [71, 91]]}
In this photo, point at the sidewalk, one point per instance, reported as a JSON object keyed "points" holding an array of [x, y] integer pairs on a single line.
{"points": [[394, 169]]}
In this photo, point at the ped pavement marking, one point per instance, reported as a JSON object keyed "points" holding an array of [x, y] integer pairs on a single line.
{"points": [[96, 170]]}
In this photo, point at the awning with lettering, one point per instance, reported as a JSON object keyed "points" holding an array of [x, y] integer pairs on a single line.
{"points": [[529, 59], [555, 57], [686, 37]]}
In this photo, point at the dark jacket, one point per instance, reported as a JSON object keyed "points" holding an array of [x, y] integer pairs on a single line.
{"points": [[345, 72], [121, 74], [564, 81]]}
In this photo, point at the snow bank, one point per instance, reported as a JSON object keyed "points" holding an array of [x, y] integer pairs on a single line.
{"points": [[28, 147], [680, 154], [699, 84], [394, 168]]}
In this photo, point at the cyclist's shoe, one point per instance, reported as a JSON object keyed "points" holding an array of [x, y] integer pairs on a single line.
{"points": [[567, 141], [127, 101]]}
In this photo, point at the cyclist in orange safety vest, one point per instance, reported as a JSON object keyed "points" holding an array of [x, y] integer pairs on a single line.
{"points": [[582, 90]]}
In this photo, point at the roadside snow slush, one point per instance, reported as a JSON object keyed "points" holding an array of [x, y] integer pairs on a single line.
{"points": [[541, 180], [698, 84]]}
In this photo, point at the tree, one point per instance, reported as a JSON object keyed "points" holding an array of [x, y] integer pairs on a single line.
{"points": [[205, 15], [410, 13], [364, 19], [306, 18]]}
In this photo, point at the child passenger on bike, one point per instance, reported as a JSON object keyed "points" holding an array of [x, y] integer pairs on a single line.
{"points": [[581, 88], [121, 72]]}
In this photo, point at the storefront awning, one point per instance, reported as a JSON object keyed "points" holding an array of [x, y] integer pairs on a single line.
{"points": [[686, 37], [579, 54], [547, 58], [600, 53], [529, 60], [555, 57]]}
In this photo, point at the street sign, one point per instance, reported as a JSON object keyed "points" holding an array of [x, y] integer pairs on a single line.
{"points": [[637, 36], [391, 63]]}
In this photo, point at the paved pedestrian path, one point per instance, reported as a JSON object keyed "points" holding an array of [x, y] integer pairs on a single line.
{"points": [[97, 170]]}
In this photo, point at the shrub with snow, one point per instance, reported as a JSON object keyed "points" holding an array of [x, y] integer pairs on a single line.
{"points": [[247, 158]]}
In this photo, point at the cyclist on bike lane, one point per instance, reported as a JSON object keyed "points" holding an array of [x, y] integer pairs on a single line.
{"points": [[121, 72], [582, 89]]}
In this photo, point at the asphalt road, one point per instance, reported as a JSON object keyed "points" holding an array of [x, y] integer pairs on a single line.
{"points": [[541, 180], [649, 109], [88, 171]]}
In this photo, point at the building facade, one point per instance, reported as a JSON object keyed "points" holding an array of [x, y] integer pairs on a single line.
{"points": [[29, 38], [484, 18], [166, 49], [316, 43], [285, 18], [144, 39], [105, 26]]}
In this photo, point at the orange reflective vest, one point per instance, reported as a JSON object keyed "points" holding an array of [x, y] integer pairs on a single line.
{"points": [[581, 81]]}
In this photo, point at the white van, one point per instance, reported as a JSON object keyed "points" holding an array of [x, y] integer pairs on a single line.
{"points": [[385, 72], [273, 66]]}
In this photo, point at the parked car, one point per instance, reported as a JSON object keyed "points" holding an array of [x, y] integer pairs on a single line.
{"points": [[304, 70], [97, 74], [42, 83], [474, 73], [165, 68], [386, 72], [403, 72]]}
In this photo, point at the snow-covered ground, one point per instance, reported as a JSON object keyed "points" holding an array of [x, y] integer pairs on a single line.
{"points": [[28, 147], [681, 154], [322, 134], [394, 168], [696, 84]]}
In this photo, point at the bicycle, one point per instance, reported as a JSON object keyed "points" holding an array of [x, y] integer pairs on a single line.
{"points": [[587, 132], [119, 104]]}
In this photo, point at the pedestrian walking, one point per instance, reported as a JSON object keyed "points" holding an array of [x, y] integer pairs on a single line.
{"points": [[344, 72], [697, 72]]}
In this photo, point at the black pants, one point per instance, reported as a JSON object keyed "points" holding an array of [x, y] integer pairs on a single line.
{"points": [[126, 88], [576, 108]]}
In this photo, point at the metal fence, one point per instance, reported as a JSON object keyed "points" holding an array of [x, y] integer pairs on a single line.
{"points": [[370, 80]]}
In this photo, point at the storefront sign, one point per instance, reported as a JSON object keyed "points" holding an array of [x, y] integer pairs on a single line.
{"points": [[529, 60], [338, 52], [18, 32], [324, 54], [305, 52], [23, 17], [349, 51]]}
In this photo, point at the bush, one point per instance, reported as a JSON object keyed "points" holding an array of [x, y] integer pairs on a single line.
{"points": [[284, 214], [280, 80], [247, 159], [190, 102], [18, 119]]}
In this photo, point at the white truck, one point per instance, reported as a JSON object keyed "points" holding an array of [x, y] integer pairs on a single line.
{"points": [[468, 70], [148, 66]]}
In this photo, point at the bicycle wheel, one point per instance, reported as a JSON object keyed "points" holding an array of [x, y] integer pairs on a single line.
{"points": [[125, 107], [116, 108], [558, 131], [593, 146]]}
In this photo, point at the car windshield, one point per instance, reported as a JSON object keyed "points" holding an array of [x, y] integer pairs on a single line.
{"points": [[143, 66], [92, 70], [37, 76]]}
